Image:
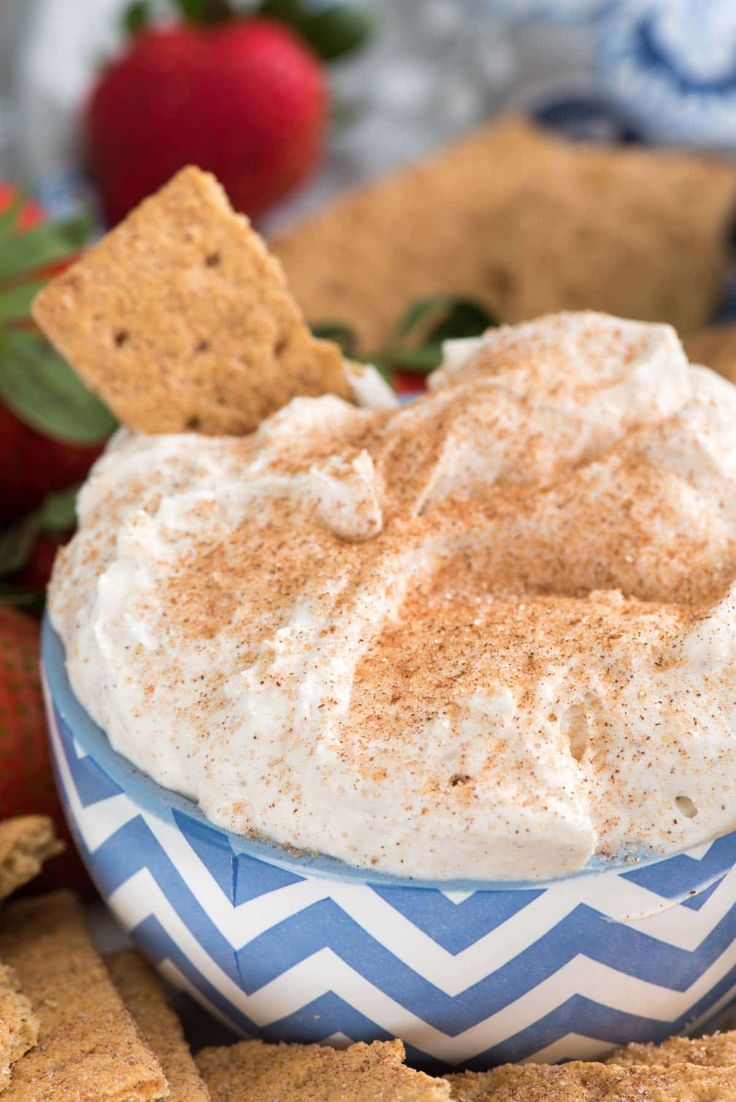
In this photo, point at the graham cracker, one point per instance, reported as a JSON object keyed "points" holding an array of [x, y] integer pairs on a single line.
{"points": [[581, 1081], [255, 1072], [89, 1048], [526, 222], [180, 320], [18, 1024], [714, 347], [145, 997], [25, 843], [595, 236], [715, 1051]]}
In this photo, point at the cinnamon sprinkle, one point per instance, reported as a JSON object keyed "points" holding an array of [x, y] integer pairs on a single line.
{"points": [[526, 647]]}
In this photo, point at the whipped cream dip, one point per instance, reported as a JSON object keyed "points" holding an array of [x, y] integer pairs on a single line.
{"points": [[487, 635]]}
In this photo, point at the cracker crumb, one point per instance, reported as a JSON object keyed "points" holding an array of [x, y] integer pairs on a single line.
{"points": [[18, 1024], [26, 842]]}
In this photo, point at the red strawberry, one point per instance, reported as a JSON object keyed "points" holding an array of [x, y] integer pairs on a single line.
{"points": [[404, 383], [49, 423], [30, 213], [33, 465], [246, 100], [37, 570], [26, 778]]}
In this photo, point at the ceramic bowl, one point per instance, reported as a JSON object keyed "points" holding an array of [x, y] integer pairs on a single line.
{"points": [[469, 974]]}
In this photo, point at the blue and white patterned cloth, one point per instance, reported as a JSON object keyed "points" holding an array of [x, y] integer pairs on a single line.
{"points": [[672, 65]]}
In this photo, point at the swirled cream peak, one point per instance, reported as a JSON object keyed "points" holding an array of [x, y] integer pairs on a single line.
{"points": [[487, 635]]}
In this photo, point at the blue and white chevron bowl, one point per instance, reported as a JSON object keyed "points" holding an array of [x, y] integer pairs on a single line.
{"points": [[308, 949]]}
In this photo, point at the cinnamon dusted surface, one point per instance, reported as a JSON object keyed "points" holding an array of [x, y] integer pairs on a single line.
{"points": [[487, 635]]}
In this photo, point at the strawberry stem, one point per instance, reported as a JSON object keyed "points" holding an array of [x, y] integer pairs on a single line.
{"points": [[205, 12], [331, 29], [54, 517], [136, 17]]}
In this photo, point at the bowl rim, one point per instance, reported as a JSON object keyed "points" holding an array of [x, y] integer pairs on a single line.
{"points": [[163, 803]]}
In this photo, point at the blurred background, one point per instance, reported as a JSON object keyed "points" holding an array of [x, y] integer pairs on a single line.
{"points": [[414, 73]]}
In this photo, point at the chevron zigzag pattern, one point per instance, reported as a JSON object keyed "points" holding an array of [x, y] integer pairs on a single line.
{"points": [[465, 978]]}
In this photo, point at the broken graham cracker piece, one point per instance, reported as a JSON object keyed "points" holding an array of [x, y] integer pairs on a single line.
{"points": [[581, 1081], [718, 1050], [145, 998], [421, 230], [89, 1048], [598, 236], [18, 1024], [25, 843], [527, 223], [256, 1072], [180, 320]]}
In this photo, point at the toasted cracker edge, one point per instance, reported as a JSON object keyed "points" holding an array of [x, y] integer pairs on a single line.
{"points": [[145, 997], [250, 1070]]}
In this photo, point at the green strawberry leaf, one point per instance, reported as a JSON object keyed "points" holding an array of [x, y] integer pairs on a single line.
{"points": [[9, 217], [337, 30], [444, 317], [57, 513], [15, 301], [415, 361], [415, 315], [424, 325], [419, 334], [41, 389], [338, 333], [291, 12], [205, 12], [24, 597], [332, 30], [55, 516], [192, 10], [463, 318], [16, 546], [43, 245], [136, 17]]}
